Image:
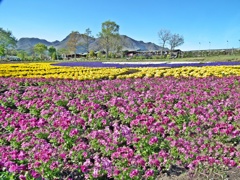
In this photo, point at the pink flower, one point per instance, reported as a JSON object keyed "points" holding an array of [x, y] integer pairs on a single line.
{"points": [[37, 164], [104, 121], [96, 172], [54, 165], [22, 177], [13, 168], [63, 155], [136, 139], [141, 162], [116, 172], [73, 132], [84, 169], [134, 173], [21, 155], [84, 154], [34, 174], [149, 173], [153, 140]]}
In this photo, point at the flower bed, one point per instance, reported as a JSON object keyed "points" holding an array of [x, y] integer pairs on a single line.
{"points": [[46, 70], [121, 129]]}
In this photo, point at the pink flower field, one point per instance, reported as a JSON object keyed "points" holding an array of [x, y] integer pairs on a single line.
{"points": [[118, 129]]}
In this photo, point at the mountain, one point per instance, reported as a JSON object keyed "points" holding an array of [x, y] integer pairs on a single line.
{"points": [[28, 43], [128, 44], [131, 44]]}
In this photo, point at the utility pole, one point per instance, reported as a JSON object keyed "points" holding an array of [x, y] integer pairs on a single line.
{"points": [[199, 48], [209, 47], [227, 47]]}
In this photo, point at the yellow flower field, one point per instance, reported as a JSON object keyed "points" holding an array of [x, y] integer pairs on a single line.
{"points": [[46, 70]]}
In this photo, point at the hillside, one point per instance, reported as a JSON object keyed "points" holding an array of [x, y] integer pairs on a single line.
{"points": [[128, 44]]}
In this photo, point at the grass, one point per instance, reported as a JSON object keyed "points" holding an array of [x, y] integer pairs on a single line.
{"points": [[192, 59], [219, 58]]}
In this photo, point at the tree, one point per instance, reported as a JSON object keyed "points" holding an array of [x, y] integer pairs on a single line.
{"points": [[91, 54], [54, 56], [62, 52], [22, 54], [7, 40], [40, 49], [117, 46], [175, 41], [109, 35], [51, 50], [164, 36], [2, 50], [99, 54], [87, 36], [73, 42]]}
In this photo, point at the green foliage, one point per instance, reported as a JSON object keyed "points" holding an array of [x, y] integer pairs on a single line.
{"points": [[91, 54], [22, 55], [40, 49], [7, 40], [2, 50], [87, 38], [54, 56], [51, 50], [7, 175], [62, 52], [109, 36], [99, 54], [73, 42], [111, 55]]}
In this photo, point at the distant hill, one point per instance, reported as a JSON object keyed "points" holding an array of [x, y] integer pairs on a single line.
{"points": [[128, 44]]}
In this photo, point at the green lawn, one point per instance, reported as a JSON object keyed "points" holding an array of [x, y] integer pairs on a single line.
{"points": [[193, 59]]}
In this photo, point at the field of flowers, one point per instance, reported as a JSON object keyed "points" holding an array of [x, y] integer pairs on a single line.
{"points": [[46, 70], [129, 123]]}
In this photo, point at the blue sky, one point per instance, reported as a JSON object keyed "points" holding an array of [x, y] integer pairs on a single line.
{"points": [[204, 24]]}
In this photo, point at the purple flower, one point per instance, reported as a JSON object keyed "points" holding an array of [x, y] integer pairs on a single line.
{"points": [[21, 155], [84, 169], [13, 168], [96, 172], [22, 177], [73, 132], [116, 172], [149, 173], [134, 173], [34, 174], [153, 140], [54, 165]]}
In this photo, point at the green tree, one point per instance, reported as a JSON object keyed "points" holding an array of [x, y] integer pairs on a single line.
{"points": [[7, 40], [87, 37], [109, 35], [99, 54], [62, 52], [91, 54], [40, 49], [51, 50], [73, 42], [22, 54], [54, 56], [2, 50]]}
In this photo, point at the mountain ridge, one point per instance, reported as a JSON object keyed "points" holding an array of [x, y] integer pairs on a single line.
{"points": [[129, 44]]}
